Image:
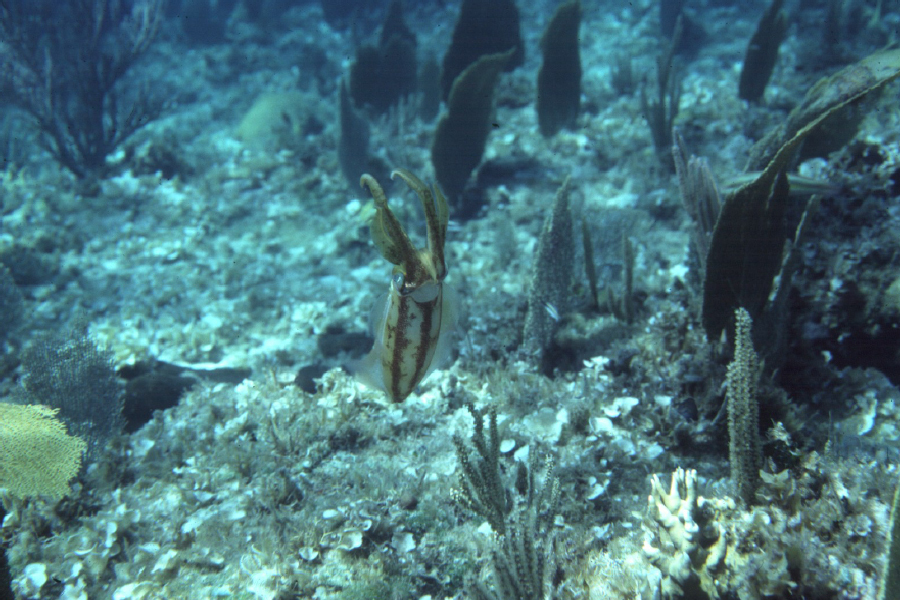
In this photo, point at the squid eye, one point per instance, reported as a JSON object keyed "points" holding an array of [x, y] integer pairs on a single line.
{"points": [[397, 281]]}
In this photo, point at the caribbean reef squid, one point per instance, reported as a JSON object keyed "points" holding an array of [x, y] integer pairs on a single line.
{"points": [[413, 324]]}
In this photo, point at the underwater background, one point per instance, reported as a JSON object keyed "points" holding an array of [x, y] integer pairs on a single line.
{"points": [[651, 348]]}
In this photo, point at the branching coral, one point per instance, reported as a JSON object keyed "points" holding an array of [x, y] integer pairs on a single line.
{"points": [[690, 547]]}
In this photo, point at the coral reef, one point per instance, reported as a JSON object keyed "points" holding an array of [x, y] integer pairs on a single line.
{"points": [[690, 546], [210, 284]]}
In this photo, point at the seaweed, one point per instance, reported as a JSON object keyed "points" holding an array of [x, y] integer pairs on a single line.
{"points": [[384, 74], [353, 145], [661, 111], [462, 132], [483, 27], [849, 84], [746, 249], [559, 79], [762, 52]]}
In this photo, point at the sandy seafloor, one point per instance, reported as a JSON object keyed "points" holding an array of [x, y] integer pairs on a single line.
{"points": [[257, 249]]}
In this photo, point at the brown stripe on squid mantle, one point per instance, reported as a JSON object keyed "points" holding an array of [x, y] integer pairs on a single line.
{"points": [[400, 343], [426, 340]]}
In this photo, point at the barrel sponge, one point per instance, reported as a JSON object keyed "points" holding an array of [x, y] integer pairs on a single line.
{"points": [[37, 456]]}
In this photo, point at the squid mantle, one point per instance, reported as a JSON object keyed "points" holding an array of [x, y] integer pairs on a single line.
{"points": [[413, 324]]}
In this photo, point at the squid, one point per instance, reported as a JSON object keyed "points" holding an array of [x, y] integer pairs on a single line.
{"points": [[413, 323]]}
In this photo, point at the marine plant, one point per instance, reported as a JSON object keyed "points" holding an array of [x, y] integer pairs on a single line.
{"points": [[762, 52], [746, 249], [462, 132], [524, 560], [69, 373], [353, 144], [12, 304], [890, 582], [669, 12], [827, 96], [384, 74], [483, 490], [661, 110], [484, 27], [745, 448], [699, 196], [559, 78], [551, 277], [70, 82]]}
